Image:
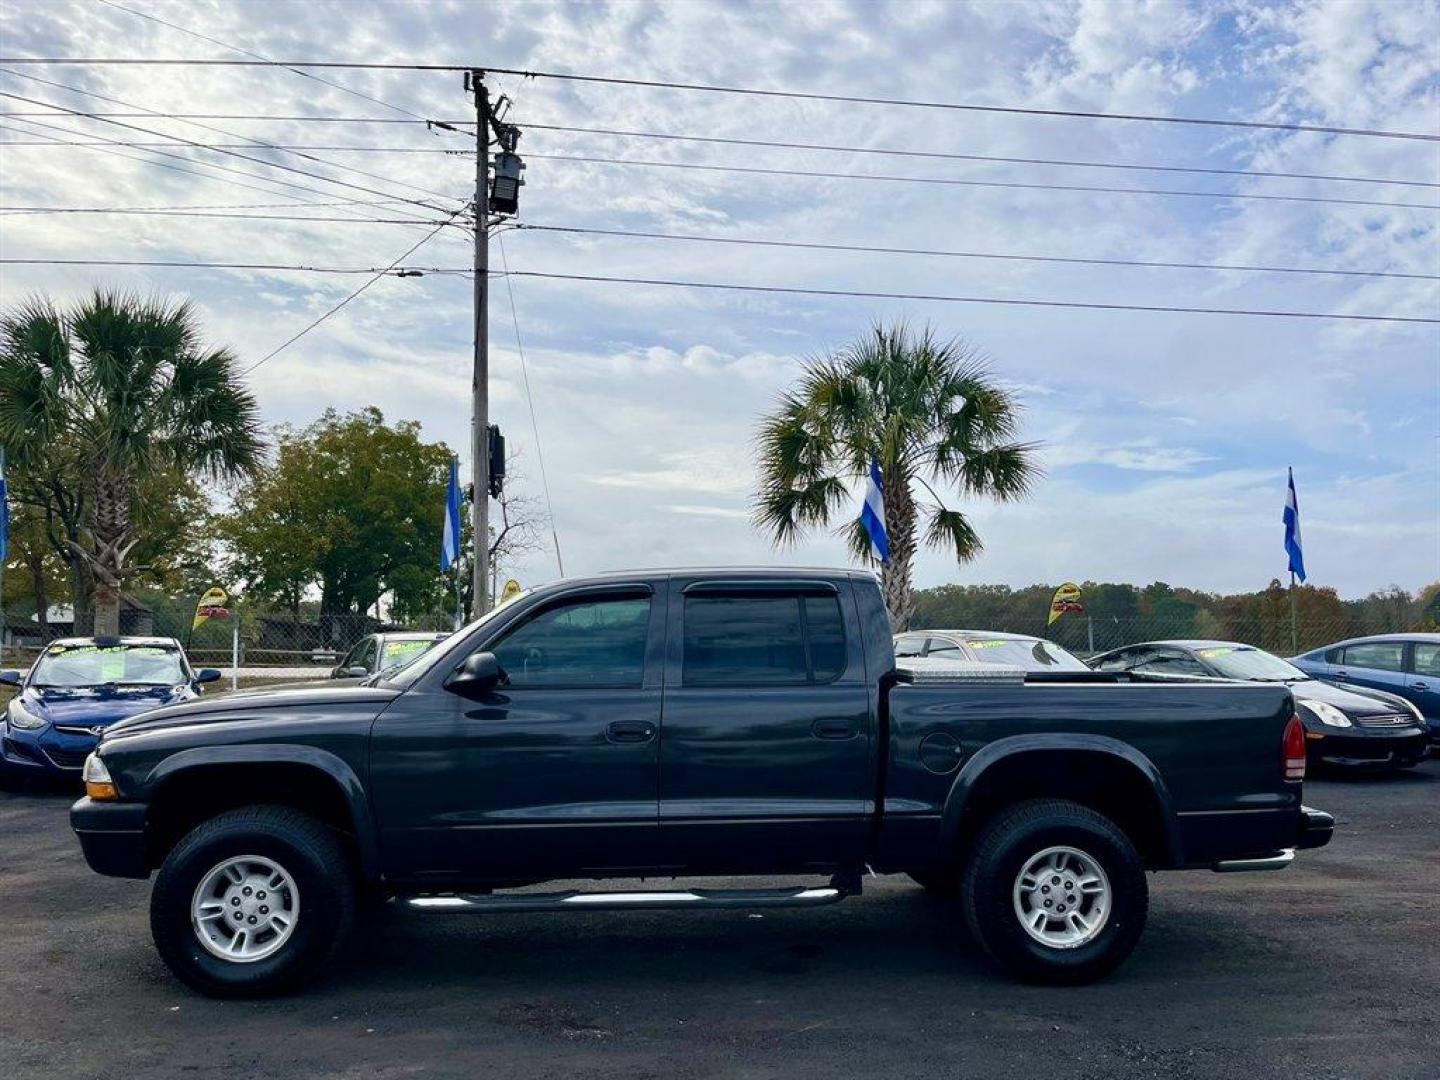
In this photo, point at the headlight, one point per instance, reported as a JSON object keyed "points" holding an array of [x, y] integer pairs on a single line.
{"points": [[22, 718], [1327, 714], [98, 784]]}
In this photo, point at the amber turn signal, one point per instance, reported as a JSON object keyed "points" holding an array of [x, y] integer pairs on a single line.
{"points": [[98, 784]]}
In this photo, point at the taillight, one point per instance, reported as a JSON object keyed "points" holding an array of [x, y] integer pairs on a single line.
{"points": [[1293, 749]]}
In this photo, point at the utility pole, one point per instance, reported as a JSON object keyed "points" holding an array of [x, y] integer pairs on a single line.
{"points": [[487, 448], [480, 382]]}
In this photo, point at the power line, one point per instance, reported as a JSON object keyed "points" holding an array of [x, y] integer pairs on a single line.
{"points": [[232, 153], [954, 182], [6, 211], [738, 287], [928, 154], [271, 190], [1008, 256], [230, 134], [186, 206], [935, 154], [263, 116], [733, 287], [200, 265], [210, 164], [795, 95], [259, 56], [378, 275], [530, 401]]}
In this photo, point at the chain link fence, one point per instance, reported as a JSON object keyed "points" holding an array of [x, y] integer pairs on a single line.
{"points": [[1086, 635]]}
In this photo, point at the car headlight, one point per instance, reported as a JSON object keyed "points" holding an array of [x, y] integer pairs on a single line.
{"points": [[1327, 714], [98, 784], [23, 718]]}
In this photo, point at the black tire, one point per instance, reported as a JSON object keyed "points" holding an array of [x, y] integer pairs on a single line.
{"points": [[1003, 848], [308, 851]]}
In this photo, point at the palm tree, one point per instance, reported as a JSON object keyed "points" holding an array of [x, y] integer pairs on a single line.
{"points": [[122, 387], [929, 412]]}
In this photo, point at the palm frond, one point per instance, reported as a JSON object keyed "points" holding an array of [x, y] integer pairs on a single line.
{"points": [[1005, 473], [950, 530]]}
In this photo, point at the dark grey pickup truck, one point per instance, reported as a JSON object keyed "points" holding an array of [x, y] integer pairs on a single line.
{"points": [[695, 723]]}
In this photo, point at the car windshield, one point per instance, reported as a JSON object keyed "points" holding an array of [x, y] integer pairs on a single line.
{"points": [[1031, 654], [101, 665], [1250, 664], [400, 652]]}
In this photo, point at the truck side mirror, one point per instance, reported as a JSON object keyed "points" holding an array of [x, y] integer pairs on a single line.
{"points": [[356, 671], [10, 678], [208, 674], [478, 673]]}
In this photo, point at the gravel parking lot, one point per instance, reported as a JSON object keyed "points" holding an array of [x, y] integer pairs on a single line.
{"points": [[1330, 969]]}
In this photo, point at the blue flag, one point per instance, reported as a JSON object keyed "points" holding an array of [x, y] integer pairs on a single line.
{"points": [[1292, 530], [450, 542], [872, 515]]}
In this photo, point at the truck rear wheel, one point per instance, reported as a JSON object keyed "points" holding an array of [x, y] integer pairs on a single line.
{"points": [[1055, 892], [252, 902]]}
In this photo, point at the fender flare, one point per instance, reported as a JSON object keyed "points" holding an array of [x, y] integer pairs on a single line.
{"points": [[952, 816], [334, 768]]}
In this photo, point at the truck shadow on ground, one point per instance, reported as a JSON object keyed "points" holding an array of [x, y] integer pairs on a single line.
{"points": [[898, 934]]}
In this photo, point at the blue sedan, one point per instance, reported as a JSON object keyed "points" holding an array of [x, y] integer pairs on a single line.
{"points": [[1407, 665], [80, 686]]}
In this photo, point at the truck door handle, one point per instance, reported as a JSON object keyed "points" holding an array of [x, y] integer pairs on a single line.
{"points": [[833, 729], [630, 731], [1419, 686], [1342, 674]]}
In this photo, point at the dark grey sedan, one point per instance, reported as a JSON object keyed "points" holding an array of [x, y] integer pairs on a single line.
{"points": [[1343, 725]]}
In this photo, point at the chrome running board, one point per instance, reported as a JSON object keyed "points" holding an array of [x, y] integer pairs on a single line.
{"points": [[658, 899], [1279, 861]]}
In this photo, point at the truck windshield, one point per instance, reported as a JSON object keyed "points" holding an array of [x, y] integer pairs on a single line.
{"points": [[1031, 654], [1248, 663], [99, 665]]}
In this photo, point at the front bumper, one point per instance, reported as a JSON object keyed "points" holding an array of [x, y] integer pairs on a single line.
{"points": [[44, 752], [1404, 746], [112, 837]]}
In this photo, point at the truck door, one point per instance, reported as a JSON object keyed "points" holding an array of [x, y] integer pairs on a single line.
{"points": [[554, 772], [766, 744]]}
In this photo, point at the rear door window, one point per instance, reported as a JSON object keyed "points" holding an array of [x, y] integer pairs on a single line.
{"points": [[945, 649], [909, 645], [1376, 655], [1427, 659], [762, 640]]}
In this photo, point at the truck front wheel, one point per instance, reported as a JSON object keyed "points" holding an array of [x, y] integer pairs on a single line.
{"points": [[1054, 892], [252, 902]]}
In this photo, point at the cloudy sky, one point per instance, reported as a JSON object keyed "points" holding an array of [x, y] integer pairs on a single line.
{"points": [[1166, 436]]}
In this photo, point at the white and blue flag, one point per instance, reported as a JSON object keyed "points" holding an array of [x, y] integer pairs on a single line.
{"points": [[1292, 530], [450, 542], [872, 515]]}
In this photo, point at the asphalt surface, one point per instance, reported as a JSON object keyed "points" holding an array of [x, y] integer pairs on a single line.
{"points": [[1329, 969]]}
